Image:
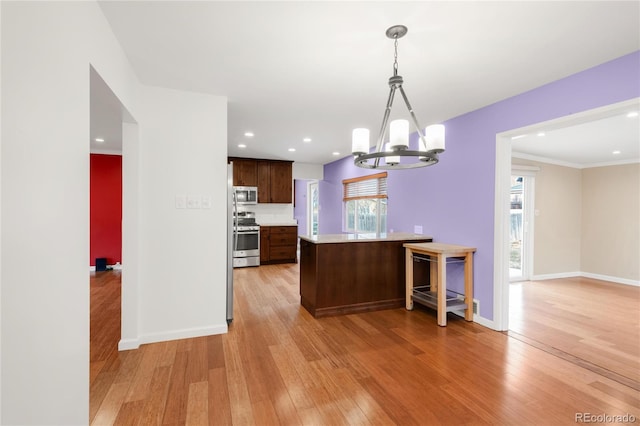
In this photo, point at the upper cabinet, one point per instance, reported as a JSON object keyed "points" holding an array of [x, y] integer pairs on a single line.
{"points": [[245, 172], [273, 178]]}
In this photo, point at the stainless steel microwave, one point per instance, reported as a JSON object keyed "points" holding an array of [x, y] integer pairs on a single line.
{"points": [[244, 195]]}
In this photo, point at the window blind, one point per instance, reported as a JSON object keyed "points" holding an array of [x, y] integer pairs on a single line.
{"points": [[372, 186]]}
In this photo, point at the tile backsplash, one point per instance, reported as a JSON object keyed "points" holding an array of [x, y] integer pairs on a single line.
{"points": [[272, 213]]}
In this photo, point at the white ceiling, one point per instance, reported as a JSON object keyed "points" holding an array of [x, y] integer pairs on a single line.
{"points": [[613, 137], [319, 69]]}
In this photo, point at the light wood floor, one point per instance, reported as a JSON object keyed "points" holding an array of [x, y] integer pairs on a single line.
{"points": [[279, 365], [595, 321]]}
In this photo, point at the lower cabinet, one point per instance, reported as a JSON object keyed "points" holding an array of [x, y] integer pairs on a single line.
{"points": [[278, 244]]}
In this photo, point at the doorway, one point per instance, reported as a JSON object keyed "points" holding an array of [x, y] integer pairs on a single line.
{"points": [[312, 208], [502, 248], [521, 206]]}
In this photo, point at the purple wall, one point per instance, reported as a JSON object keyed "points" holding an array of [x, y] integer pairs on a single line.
{"points": [[300, 207], [454, 200]]}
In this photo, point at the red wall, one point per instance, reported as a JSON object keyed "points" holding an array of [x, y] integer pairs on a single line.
{"points": [[106, 208]]}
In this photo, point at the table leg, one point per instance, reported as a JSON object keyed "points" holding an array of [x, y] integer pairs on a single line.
{"points": [[409, 278], [442, 290], [468, 286]]}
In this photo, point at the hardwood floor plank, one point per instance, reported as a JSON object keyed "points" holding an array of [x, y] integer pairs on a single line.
{"points": [[175, 411], [594, 320], [198, 404], [279, 365], [129, 413], [111, 404], [219, 404], [152, 413]]}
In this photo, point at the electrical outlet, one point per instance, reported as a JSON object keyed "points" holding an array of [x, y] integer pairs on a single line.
{"points": [[476, 306], [417, 229]]}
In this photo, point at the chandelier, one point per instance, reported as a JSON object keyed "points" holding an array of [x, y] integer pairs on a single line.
{"points": [[430, 142]]}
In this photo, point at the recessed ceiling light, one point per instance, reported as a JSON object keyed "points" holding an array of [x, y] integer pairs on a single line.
{"points": [[616, 152], [292, 149], [242, 145], [540, 133], [306, 140], [99, 140], [632, 114], [513, 138], [336, 153], [249, 134]]}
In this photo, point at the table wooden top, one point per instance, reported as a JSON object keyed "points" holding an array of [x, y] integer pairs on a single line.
{"points": [[440, 248]]}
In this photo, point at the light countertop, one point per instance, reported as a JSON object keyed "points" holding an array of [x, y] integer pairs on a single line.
{"points": [[349, 238], [279, 223]]}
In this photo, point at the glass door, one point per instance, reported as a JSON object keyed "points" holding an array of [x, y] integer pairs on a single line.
{"points": [[521, 256], [313, 207]]}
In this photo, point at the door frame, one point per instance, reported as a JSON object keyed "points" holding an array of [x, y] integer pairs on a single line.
{"points": [[501, 199]]}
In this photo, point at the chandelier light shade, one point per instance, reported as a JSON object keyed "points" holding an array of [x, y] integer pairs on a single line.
{"points": [[434, 137], [360, 141], [430, 141]]}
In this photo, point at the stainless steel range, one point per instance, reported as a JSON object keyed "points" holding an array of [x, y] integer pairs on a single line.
{"points": [[246, 240]]}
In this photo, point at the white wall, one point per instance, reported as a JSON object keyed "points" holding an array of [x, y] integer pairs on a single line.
{"points": [[308, 171], [47, 49], [0, 212], [183, 151], [557, 227], [611, 221]]}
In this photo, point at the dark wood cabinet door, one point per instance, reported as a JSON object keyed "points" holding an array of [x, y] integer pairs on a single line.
{"points": [[264, 182], [245, 172], [264, 244], [281, 182], [280, 246]]}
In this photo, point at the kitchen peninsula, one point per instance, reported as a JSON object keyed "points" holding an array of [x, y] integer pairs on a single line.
{"points": [[350, 273]]}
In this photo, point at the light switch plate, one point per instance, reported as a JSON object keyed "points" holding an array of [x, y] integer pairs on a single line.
{"points": [[206, 201], [181, 201], [194, 201]]}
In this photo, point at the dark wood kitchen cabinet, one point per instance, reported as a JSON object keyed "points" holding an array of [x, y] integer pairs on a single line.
{"points": [[342, 274], [275, 181], [245, 172], [278, 244]]}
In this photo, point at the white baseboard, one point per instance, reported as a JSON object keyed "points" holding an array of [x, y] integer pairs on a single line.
{"points": [[555, 276], [127, 344], [485, 322], [617, 280], [117, 267], [479, 320]]}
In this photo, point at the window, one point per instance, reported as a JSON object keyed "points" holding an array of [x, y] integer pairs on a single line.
{"points": [[365, 203]]}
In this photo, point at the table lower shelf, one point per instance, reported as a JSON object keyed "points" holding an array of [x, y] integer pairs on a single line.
{"points": [[429, 298]]}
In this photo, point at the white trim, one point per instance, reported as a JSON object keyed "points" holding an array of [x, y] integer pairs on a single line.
{"points": [[617, 280], [543, 277], [310, 207], [127, 344], [523, 169], [501, 234], [563, 163], [486, 322], [117, 267], [105, 151], [479, 320]]}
